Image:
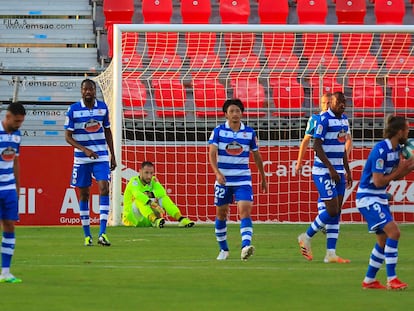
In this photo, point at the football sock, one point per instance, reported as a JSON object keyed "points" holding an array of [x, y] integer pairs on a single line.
{"points": [[7, 248], [84, 216], [103, 213], [391, 257], [221, 234], [246, 231], [332, 233], [375, 262], [320, 221]]}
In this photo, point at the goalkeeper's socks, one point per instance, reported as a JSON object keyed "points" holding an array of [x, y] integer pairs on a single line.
{"points": [[221, 234], [246, 231]]}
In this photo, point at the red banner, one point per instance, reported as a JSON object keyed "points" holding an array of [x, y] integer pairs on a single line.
{"points": [[46, 197]]}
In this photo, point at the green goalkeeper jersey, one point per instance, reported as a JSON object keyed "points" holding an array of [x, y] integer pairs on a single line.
{"points": [[137, 191]]}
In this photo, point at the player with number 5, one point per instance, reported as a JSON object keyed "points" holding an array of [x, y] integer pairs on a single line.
{"points": [[384, 164], [230, 147]]}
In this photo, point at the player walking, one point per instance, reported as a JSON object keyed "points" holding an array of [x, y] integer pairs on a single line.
{"points": [[88, 131], [230, 147]]}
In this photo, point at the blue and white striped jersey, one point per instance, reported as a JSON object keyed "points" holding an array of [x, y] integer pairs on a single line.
{"points": [[382, 159], [88, 129], [9, 149], [234, 152], [333, 132]]}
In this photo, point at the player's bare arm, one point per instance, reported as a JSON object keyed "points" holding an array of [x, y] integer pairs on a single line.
{"points": [[259, 163], [213, 162]]}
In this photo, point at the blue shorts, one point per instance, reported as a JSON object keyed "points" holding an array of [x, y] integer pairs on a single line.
{"points": [[9, 206], [376, 215], [229, 194], [82, 173], [327, 188]]}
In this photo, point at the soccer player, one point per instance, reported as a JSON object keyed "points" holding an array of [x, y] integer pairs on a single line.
{"points": [[146, 201], [331, 175], [230, 147], [87, 129], [10, 139], [331, 231], [384, 164]]}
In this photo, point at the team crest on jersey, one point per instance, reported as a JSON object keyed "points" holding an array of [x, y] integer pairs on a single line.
{"points": [[8, 154], [92, 126], [379, 164], [342, 136], [234, 148]]}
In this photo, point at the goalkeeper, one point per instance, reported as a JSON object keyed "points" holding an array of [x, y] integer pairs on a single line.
{"points": [[146, 202]]}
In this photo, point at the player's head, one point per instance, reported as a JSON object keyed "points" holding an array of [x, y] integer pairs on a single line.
{"points": [[234, 101], [88, 90], [146, 172], [338, 103], [14, 117], [325, 101], [396, 126]]}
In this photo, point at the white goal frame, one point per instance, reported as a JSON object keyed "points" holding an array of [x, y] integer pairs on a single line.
{"points": [[118, 29]]}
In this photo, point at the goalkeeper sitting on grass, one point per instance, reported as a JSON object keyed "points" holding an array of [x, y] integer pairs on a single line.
{"points": [[146, 201]]}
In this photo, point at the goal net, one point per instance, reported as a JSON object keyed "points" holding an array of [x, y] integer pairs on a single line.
{"points": [[166, 85]]}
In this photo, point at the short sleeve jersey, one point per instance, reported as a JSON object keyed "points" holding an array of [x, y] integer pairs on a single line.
{"points": [[233, 152], [333, 132], [88, 126], [382, 159], [9, 149]]}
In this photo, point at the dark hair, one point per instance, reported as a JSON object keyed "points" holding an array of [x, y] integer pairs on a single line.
{"points": [[233, 101], [17, 109], [146, 163], [394, 124], [340, 97], [88, 81]]}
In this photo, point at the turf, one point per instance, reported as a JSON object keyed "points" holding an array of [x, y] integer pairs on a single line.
{"points": [[176, 269]]}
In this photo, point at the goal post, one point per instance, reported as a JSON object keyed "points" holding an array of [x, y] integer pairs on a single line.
{"points": [[165, 88]]}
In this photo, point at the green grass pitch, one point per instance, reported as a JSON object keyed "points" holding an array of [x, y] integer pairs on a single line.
{"points": [[176, 269]]}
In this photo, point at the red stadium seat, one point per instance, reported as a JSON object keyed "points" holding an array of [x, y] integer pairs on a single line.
{"points": [[362, 64], [317, 43], [350, 12], [278, 63], [195, 12], [130, 56], [159, 12], [251, 93], [367, 97], [356, 44], [116, 12], [395, 44], [134, 96], [205, 66], [270, 13], [170, 97], [209, 96], [319, 62], [288, 96], [402, 95], [389, 12], [398, 63], [312, 11], [236, 12], [322, 85], [165, 65], [278, 43]]}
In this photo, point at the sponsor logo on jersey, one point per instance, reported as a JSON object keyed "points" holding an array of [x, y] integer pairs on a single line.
{"points": [[8, 154], [234, 148], [92, 126]]}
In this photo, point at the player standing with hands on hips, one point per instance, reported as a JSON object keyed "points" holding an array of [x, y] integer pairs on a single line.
{"points": [[384, 164], [87, 129], [10, 139], [230, 147]]}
